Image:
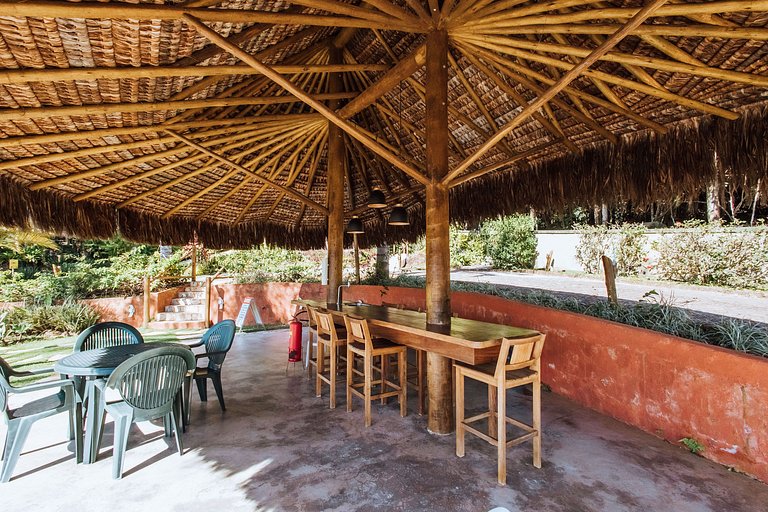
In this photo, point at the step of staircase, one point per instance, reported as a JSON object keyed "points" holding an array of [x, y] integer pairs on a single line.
{"points": [[176, 325], [195, 289], [177, 317], [187, 302], [185, 308], [191, 295]]}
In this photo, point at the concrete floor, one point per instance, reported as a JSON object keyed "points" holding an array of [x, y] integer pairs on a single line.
{"points": [[279, 448]]}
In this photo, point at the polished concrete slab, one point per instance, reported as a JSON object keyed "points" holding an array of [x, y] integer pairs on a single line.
{"points": [[278, 447]]}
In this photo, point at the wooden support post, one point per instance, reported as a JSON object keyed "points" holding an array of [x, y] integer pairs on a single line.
{"points": [[336, 155], [609, 268], [357, 258], [439, 368], [147, 296], [207, 317], [194, 261]]}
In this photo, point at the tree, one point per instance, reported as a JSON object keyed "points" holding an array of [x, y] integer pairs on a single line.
{"points": [[16, 240]]}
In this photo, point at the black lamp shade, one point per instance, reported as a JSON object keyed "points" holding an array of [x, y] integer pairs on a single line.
{"points": [[355, 226], [377, 199], [399, 216]]}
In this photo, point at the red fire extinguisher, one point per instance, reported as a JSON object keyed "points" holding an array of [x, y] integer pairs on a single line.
{"points": [[294, 342]]}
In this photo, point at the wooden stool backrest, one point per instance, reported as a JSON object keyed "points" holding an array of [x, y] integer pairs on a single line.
{"points": [[311, 313], [357, 330], [325, 323], [516, 354]]}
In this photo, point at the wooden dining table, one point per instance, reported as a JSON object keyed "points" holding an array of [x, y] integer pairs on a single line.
{"points": [[469, 341]]}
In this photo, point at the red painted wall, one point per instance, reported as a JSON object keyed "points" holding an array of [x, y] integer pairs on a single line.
{"points": [[272, 299], [667, 386]]}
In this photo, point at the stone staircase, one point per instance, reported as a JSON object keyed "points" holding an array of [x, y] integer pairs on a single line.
{"points": [[187, 311]]}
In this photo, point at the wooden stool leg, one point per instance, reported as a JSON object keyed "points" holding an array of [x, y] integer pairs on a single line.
{"points": [[492, 406], [332, 349], [501, 417], [402, 365], [537, 423], [367, 388], [350, 373], [384, 376], [309, 353], [459, 381], [421, 375], [320, 368]]}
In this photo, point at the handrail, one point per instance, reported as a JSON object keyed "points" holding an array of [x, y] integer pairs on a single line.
{"points": [[218, 274]]}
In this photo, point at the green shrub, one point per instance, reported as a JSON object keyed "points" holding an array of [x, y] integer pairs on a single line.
{"points": [[510, 242], [625, 244], [654, 312], [705, 254], [67, 318], [263, 264], [467, 247]]}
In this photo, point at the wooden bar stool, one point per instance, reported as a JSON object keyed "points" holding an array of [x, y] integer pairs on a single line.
{"points": [[518, 365], [361, 343], [417, 370], [327, 337]]}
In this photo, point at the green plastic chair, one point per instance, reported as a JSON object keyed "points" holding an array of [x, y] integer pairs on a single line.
{"points": [[20, 420], [217, 340], [149, 385], [107, 334]]}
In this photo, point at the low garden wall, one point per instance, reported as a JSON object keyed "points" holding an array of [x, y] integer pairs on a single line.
{"points": [[667, 386], [117, 308]]}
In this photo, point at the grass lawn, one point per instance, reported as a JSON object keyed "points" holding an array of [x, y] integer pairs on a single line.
{"points": [[44, 352]]}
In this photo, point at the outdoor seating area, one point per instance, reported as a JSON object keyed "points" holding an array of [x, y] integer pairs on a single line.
{"points": [[331, 124], [278, 447], [111, 371]]}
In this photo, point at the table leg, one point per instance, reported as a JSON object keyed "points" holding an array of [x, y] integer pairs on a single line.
{"points": [[440, 415]]}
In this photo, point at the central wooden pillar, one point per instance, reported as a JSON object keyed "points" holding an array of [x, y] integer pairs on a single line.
{"points": [[439, 368], [335, 184]]}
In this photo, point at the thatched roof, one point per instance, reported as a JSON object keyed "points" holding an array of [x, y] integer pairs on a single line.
{"points": [[124, 117]]}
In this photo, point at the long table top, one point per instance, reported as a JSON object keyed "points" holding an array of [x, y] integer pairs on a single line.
{"points": [[471, 341]]}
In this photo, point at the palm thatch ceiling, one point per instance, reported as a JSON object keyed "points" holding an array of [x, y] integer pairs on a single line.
{"points": [[158, 118]]}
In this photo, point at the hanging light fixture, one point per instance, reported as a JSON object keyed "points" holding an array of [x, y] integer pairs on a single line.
{"points": [[355, 226], [399, 216], [377, 199]]}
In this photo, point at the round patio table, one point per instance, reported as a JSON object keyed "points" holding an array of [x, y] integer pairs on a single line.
{"points": [[95, 365]]}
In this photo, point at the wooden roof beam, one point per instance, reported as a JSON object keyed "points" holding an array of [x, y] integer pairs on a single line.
{"points": [[16, 114], [626, 58], [561, 84], [500, 165], [289, 191], [98, 171], [521, 73], [618, 13], [298, 58], [20, 76], [400, 71], [138, 177], [147, 12], [612, 79], [49, 138], [509, 91], [246, 35], [344, 125], [756, 33]]}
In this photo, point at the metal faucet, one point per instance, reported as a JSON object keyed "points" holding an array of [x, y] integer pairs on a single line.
{"points": [[339, 294]]}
